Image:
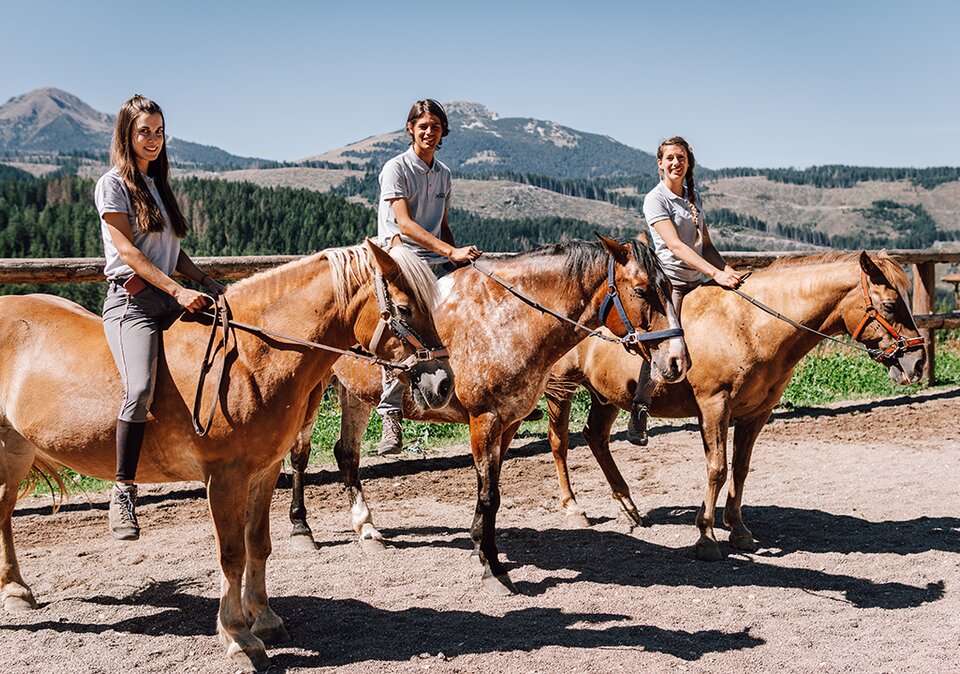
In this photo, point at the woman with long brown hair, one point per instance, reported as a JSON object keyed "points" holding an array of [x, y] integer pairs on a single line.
{"points": [[674, 212], [141, 225]]}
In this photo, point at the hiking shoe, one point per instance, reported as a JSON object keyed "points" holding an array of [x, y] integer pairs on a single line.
{"points": [[637, 426], [391, 441], [123, 515]]}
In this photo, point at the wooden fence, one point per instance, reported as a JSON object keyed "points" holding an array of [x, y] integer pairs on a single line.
{"points": [[922, 262]]}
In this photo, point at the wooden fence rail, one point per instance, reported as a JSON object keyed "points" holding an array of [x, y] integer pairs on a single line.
{"points": [[923, 263]]}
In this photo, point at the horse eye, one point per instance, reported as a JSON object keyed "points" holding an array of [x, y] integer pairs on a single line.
{"points": [[639, 291], [889, 307], [404, 309]]}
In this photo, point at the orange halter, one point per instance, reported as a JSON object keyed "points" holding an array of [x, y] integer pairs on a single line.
{"points": [[900, 344]]}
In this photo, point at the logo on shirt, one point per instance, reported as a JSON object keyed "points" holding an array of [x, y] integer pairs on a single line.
{"points": [[441, 195]]}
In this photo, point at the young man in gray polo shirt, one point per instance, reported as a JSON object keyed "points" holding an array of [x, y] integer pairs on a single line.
{"points": [[414, 196]]}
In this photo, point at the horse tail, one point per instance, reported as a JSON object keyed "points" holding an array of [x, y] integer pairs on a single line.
{"points": [[45, 472], [560, 388]]}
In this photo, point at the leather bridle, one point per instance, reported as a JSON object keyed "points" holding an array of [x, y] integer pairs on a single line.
{"points": [[900, 345], [633, 336]]}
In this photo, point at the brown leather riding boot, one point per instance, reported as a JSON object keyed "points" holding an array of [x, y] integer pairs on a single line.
{"points": [[391, 441], [637, 426]]}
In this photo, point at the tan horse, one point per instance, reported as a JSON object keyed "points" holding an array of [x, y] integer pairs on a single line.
{"points": [[60, 391], [501, 350], [741, 362]]}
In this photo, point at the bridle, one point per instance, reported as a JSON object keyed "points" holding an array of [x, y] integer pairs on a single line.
{"points": [[612, 299], [900, 345], [633, 336], [882, 356], [390, 319]]}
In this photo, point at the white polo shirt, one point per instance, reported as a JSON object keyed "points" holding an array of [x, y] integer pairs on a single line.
{"points": [[427, 191], [161, 248], [662, 204]]}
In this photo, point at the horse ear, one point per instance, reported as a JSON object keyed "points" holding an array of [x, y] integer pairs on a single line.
{"points": [[871, 269], [620, 252], [642, 238], [386, 264], [395, 240]]}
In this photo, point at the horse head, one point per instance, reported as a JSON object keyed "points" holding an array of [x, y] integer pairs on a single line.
{"points": [[640, 291], [881, 319], [397, 324]]}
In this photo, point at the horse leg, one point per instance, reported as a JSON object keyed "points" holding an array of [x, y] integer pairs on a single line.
{"points": [[714, 420], [354, 416], [558, 434], [228, 493], [597, 434], [266, 624], [486, 433], [16, 458], [745, 434], [301, 536]]}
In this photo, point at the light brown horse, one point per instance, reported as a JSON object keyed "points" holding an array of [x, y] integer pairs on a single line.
{"points": [[741, 360], [60, 390], [501, 350]]}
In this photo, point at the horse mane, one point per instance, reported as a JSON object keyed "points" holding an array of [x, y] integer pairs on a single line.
{"points": [[355, 263], [352, 265], [891, 268], [581, 257]]}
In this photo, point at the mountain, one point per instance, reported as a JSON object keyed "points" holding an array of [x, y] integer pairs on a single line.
{"points": [[52, 121], [481, 142]]}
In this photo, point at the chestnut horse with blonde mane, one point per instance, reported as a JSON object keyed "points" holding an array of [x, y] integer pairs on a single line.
{"points": [[501, 351], [741, 360], [60, 390]]}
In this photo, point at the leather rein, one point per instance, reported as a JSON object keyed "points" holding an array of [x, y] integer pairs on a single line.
{"points": [[389, 320], [612, 299], [900, 345]]}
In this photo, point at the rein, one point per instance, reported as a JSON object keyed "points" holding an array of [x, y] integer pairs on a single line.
{"points": [[222, 321], [633, 336], [880, 355]]}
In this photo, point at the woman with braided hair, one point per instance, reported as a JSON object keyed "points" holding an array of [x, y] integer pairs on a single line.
{"points": [[674, 212]]}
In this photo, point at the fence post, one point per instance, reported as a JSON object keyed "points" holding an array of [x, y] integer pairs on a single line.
{"points": [[924, 293]]}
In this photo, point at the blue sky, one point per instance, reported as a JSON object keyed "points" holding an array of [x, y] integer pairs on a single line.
{"points": [[748, 83]]}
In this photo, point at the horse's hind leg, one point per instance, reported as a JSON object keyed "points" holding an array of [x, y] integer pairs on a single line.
{"points": [[354, 416], [558, 434], [265, 624], [16, 458], [301, 535], [745, 434], [597, 434]]}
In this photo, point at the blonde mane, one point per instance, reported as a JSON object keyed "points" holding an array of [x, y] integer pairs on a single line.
{"points": [[890, 267], [354, 264]]}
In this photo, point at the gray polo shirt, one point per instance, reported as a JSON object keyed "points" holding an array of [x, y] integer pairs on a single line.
{"points": [[427, 191], [662, 204], [161, 248]]}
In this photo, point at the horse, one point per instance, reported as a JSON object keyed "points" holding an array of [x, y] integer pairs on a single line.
{"points": [[741, 360], [59, 390], [501, 350]]}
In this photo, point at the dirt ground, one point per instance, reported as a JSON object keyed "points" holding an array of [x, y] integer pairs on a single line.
{"points": [[855, 507]]}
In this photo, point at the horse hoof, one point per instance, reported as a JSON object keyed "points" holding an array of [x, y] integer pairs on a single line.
{"points": [[708, 552], [577, 520], [254, 659], [635, 519], [271, 634], [372, 545], [745, 543], [19, 604], [305, 543], [498, 584]]}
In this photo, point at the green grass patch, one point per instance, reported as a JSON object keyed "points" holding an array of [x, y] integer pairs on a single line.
{"points": [[830, 373]]}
